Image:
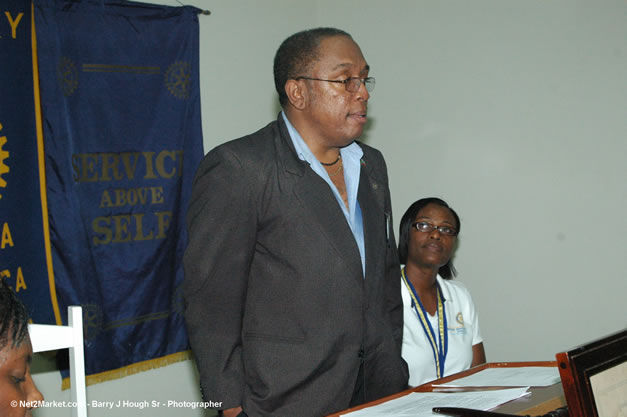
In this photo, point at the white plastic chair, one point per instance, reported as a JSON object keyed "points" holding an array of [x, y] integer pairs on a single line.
{"points": [[46, 337]]}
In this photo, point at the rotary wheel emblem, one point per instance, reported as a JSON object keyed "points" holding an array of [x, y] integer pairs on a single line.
{"points": [[67, 75], [92, 321], [178, 79], [3, 156]]}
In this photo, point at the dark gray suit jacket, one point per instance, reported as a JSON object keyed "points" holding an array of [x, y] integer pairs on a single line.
{"points": [[278, 312]]}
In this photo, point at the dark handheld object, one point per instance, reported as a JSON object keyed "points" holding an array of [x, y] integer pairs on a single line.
{"points": [[469, 412]]}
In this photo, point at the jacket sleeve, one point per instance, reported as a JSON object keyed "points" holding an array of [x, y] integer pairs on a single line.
{"points": [[221, 222], [394, 302]]}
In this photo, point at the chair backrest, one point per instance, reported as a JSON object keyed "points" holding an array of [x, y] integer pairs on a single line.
{"points": [[46, 337]]}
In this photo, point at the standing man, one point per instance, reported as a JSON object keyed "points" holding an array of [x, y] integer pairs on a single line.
{"points": [[291, 273]]}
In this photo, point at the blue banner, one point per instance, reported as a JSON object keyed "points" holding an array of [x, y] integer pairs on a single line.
{"points": [[120, 101], [23, 221]]}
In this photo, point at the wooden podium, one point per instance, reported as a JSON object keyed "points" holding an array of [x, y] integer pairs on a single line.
{"points": [[541, 401]]}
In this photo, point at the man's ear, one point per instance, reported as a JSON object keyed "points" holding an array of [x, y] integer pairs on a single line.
{"points": [[296, 91]]}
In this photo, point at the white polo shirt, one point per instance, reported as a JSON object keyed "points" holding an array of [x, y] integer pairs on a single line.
{"points": [[463, 333]]}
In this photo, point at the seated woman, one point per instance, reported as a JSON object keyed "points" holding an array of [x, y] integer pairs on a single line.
{"points": [[441, 333], [18, 393]]}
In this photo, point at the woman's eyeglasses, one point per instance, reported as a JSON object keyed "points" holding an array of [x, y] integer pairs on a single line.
{"points": [[428, 228]]}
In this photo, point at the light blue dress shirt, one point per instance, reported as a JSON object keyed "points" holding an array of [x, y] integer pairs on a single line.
{"points": [[351, 159]]}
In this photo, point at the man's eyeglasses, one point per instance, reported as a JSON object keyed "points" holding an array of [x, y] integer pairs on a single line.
{"points": [[351, 84], [428, 228]]}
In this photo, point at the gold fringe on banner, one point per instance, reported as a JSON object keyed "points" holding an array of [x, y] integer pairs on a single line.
{"points": [[133, 369]]}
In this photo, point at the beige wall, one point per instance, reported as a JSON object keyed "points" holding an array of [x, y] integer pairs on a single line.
{"points": [[512, 111]]}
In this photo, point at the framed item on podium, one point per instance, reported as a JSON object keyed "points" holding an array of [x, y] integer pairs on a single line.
{"points": [[594, 377]]}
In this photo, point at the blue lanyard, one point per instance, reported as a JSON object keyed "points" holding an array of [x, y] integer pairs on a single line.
{"points": [[439, 352]]}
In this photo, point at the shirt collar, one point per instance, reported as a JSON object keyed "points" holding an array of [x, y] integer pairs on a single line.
{"points": [[446, 294], [305, 154]]}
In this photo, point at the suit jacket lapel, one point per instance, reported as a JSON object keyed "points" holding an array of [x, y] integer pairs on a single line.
{"points": [[371, 198], [326, 214], [318, 200]]}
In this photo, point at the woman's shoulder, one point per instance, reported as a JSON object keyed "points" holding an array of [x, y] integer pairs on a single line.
{"points": [[454, 288]]}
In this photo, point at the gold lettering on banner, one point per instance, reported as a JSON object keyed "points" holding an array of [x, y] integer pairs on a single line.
{"points": [[112, 167], [7, 239], [14, 22], [161, 165], [163, 222], [150, 173], [20, 283], [86, 170], [124, 228], [121, 197], [107, 166], [110, 162], [129, 166]]}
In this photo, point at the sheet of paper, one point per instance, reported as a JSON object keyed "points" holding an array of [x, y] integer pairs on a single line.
{"points": [[528, 376], [610, 390], [419, 404]]}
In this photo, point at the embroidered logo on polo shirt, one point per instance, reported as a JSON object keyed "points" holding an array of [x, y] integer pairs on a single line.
{"points": [[460, 318], [460, 329]]}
